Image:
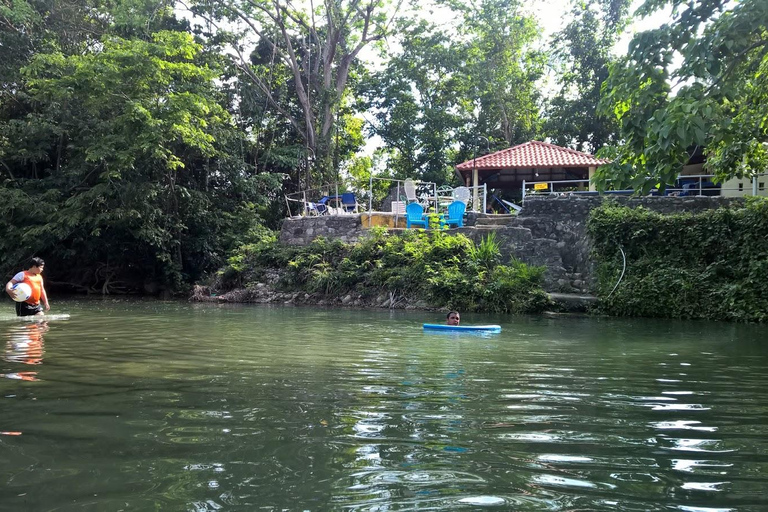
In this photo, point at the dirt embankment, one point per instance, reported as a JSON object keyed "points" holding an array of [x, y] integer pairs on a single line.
{"points": [[263, 293]]}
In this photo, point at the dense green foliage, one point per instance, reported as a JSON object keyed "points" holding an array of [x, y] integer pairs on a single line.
{"points": [[583, 49], [715, 99], [447, 86], [121, 165], [708, 265], [443, 270]]}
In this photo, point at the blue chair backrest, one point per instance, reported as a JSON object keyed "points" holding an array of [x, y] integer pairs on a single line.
{"points": [[414, 211], [321, 206], [456, 210], [348, 199]]}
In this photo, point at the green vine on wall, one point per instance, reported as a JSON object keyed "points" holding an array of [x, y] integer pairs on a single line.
{"points": [[710, 265]]}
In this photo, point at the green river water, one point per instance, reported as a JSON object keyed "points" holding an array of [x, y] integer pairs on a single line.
{"points": [[141, 405]]}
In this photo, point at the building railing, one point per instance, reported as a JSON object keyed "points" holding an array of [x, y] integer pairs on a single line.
{"points": [[685, 185]]}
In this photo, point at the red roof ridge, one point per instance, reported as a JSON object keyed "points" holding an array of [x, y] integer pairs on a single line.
{"points": [[494, 160], [559, 148]]}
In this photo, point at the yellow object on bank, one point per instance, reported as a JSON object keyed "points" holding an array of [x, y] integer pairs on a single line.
{"points": [[540, 186]]}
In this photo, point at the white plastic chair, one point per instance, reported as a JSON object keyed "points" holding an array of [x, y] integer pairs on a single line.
{"points": [[410, 191], [461, 194]]}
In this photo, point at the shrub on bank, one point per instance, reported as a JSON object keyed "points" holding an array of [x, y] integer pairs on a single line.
{"points": [[707, 265], [443, 270]]}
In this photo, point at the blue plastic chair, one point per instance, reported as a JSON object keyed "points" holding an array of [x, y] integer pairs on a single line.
{"points": [[414, 215], [349, 202], [455, 214], [322, 205]]}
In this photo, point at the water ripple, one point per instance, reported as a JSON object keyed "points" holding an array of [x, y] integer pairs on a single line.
{"points": [[146, 405]]}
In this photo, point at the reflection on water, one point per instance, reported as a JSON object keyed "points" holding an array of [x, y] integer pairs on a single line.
{"points": [[144, 405], [24, 345]]}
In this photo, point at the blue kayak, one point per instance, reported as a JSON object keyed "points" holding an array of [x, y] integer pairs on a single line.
{"points": [[458, 328]]}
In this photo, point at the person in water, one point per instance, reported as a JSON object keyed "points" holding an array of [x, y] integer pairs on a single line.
{"points": [[39, 299], [452, 318]]}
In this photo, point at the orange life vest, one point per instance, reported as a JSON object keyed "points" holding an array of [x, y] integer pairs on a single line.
{"points": [[35, 282]]}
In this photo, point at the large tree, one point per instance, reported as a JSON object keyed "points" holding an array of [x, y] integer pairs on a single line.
{"points": [[419, 102], [582, 54], [504, 69], [451, 90], [716, 98], [313, 50], [31, 27]]}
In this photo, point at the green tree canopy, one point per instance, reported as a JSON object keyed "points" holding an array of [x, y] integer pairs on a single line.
{"points": [[715, 97], [119, 171], [582, 52], [447, 86]]}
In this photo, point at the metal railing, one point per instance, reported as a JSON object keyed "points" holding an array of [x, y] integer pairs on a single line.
{"points": [[548, 187], [309, 202], [685, 185]]}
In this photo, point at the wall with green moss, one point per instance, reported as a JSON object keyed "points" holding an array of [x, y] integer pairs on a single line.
{"points": [[712, 264]]}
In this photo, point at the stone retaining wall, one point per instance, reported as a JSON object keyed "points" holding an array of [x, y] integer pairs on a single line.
{"points": [[302, 230], [549, 231], [347, 228], [564, 220], [519, 243]]}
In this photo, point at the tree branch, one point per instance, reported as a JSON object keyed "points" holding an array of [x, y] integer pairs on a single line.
{"points": [[258, 82], [735, 61]]}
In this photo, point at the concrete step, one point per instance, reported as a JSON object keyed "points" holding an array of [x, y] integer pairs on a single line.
{"points": [[497, 216], [497, 220]]}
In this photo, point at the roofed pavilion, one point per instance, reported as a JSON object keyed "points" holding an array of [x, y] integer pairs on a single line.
{"points": [[530, 161]]}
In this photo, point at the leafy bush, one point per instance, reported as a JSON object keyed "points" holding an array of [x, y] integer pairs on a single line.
{"points": [[487, 253], [706, 265], [446, 270]]}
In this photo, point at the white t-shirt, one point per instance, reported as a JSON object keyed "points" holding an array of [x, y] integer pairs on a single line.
{"points": [[18, 277]]}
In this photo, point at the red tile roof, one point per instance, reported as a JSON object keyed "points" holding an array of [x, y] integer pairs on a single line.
{"points": [[533, 154]]}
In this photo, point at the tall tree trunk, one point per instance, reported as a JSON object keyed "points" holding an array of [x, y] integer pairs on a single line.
{"points": [[318, 51]]}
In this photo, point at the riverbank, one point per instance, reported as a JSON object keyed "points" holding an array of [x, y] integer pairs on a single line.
{"points": [[263, 293], [707, 262], [410, 270]]}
